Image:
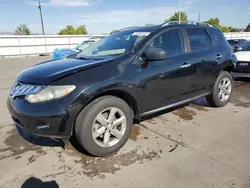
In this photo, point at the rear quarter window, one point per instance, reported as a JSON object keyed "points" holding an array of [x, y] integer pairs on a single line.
{"points": [[218, 37]]}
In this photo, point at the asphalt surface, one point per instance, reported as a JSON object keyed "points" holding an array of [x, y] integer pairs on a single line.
{"points": [[192, 146]]}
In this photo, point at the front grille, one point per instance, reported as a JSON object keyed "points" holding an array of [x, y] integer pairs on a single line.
{"points": [[20, 89]]}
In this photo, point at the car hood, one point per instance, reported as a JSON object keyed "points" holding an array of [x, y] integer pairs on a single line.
{"points": [[49, 71], [243, 56]]}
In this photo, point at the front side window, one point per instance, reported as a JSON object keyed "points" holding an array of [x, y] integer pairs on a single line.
{"points": [[113, 45], [199, 39], [171, 41]]}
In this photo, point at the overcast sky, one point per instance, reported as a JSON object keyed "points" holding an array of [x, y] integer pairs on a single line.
{"points": [[102, 16]]}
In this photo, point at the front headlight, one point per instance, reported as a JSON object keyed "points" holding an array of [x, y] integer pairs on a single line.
{"points": [[50, 93]]}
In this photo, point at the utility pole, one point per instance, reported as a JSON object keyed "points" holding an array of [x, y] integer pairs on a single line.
{"points": [[199, 17], [180, 13], [41, 15]]}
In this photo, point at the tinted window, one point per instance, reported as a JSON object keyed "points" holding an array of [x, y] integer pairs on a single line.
{"points": [[199, 39], [243, 42], [171, 41], [218, 37], [114, 45], [247, 48]]}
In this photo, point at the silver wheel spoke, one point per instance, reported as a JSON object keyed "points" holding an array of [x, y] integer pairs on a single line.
{"points": [[106, 138], [112, 115], [223, 96], [102, 120], [220, 93], [227, 92], [119, 121], [99, 132], [116, 133], [228, 84]]}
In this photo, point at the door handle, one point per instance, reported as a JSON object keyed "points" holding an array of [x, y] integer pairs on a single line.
{"points": [[185, 65], [218, 56]]}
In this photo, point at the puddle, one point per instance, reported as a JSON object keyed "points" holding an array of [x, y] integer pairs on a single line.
{"points": [[98, 167], [157, 120], [240, 103], [242, 89], [135, 133], [15, 146], [184, 113], [200, 108]]}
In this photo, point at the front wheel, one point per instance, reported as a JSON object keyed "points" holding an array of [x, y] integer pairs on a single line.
{"points": [[104, 125], [222, 90]]}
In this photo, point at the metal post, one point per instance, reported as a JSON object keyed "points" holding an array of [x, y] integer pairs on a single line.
{"points": [[199, 17], [180, 13], [41, 15], [69, 41], [20, 51]]}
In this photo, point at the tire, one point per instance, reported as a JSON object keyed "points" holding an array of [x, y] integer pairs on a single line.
{"points": [[213, 99], [85, 127]]}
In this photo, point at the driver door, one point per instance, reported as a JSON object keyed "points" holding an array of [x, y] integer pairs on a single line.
{"points": [[169, 81]]}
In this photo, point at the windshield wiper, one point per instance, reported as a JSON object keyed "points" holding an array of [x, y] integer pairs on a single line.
{"points": [[83, 58]]}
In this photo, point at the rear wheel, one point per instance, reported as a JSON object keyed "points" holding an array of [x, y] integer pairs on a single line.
{"points": [[104, 125], [222, 90]]}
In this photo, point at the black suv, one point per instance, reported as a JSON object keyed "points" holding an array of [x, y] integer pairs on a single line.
{"points": [[97, 94]]}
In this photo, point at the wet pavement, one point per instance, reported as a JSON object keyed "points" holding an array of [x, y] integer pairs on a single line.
{"points": [[190, 146]]}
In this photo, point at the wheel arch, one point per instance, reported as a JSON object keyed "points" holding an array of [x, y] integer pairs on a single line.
{"points": [[127, 97]]}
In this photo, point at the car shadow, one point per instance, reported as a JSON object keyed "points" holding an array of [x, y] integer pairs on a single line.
{"points": [[201, 102], [37, 183]]}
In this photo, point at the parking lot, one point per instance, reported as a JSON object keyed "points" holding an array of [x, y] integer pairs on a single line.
{"points": [[191, 146]]}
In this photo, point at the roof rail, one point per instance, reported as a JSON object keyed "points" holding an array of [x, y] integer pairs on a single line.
{"points": [[132, 27], [185, 22]]}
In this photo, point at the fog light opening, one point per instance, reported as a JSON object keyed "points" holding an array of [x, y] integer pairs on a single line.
{"points": [[42, 126]]}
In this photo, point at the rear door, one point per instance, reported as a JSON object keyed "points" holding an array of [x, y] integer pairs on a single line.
{"points": [[204, 59]]}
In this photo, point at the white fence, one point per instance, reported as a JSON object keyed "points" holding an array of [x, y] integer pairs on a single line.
{"points": [[13, 45], [236, 35]]}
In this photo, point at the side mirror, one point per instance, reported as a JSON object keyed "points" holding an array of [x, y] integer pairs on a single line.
{"points": [[155, 54]]}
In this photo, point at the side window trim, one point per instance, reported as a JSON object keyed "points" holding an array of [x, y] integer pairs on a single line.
{"points": [[186, 40]]}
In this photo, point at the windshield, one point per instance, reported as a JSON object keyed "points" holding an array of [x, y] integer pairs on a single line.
{"points": [[233, 42], [113, 45], [83, 45], [247, 48]]}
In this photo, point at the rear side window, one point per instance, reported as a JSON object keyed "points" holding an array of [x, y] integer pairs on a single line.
{"points": [[199, 39], [171, 41], [218, 37]]}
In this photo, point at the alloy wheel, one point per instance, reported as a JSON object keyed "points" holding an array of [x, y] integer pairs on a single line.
{"points": [[109, 127], [225, 89]]}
